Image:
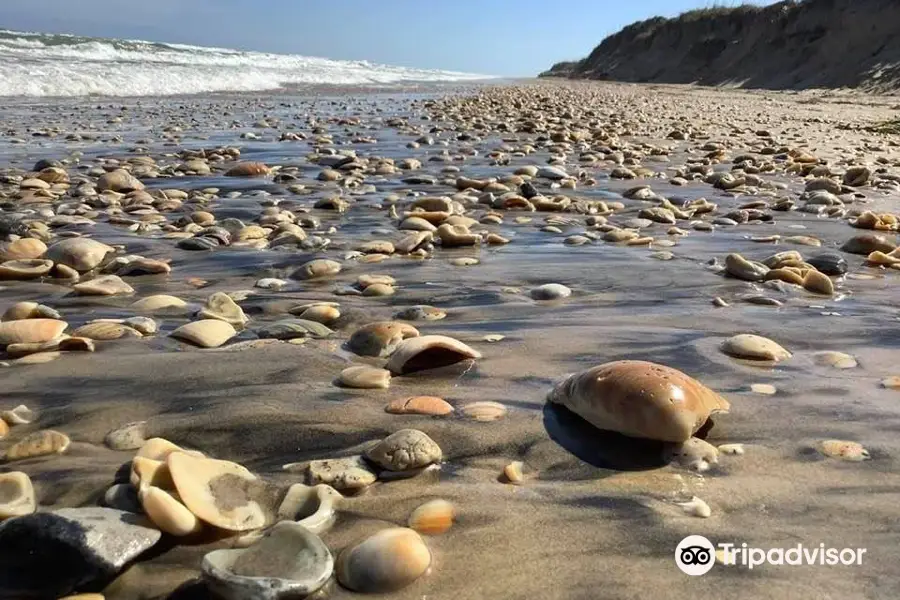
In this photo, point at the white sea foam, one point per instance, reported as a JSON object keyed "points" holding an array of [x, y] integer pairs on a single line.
{"points": [[34, 64]]}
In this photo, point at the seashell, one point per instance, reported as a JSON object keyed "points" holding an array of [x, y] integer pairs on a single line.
{"points": [[167, 512], [640, 399], [288, 562], [207, 333], [314, 507], [221, 306], [429, 352], [221, 493], [29, 310], [16, 495], [420, 313], [378, 289], [381, 338], [868, 243], [316, 269], [432, 518], [351, 473], [25, 268], [551, 291], [22, 249], [376, 247], [818, 283], [741, 268], [419, 405], [20, 415], [107, 285], [158, 302], [388, 561], [248, 169], [39, 443], [320, 312], [754, 347], [104, 331], [838, 360], [118, 180], [484, 411], [363, 377], [31, 331], [82, 254], [452, 236], [288, 329], [405, 450], [765, 389], [147, 471], [159, 449], [892, 382], [696, 508], [513, 473], [844, 450], [143, 325], [76, 344]]}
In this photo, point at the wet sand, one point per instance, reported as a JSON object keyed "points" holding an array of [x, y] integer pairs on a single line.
{"points": [[595, 517]]}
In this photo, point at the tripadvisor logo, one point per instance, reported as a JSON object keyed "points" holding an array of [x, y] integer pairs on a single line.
{"points": [[696, 555]]}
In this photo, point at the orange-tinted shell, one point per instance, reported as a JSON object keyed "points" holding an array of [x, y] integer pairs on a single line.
{"points": [[639, 399]]}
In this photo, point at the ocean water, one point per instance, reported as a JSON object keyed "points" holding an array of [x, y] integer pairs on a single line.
{"points": [[37, 64]]}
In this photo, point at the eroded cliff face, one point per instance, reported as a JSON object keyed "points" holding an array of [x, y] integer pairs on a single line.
{"points": [[788, 45]]}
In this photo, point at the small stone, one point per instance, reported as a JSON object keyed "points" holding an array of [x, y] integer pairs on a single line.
{"points": [[222, 493], [754, 347], [484, 411], [167, 513], [351, 473], [829, 263], [419, 405], [39, 443], [270, 283], [844, 450], [364, 377], [891, 383], [696, 508], [123, 496], [432, 518], [248, 169], [766, 389], [288, 562], [732, 449], [838, 360], [107, 285], [695, 454], [420, 313], [127, 437], [207, 333], [513, 473], [119, 180], [551, 291], [82, 254], [388, 561], [818, 283], [16, 495], [405, 450], [220, 306], [29, 310], [464, 261], [291, 329], [158, 302], [83, 545], [868, 243], [316, 269], [429, 352]]}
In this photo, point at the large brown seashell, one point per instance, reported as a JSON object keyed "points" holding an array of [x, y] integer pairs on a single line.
{"points": [[639, 399], [31, 331]]}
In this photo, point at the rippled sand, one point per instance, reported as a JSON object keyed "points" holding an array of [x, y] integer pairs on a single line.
{"points": [[596, 517]]}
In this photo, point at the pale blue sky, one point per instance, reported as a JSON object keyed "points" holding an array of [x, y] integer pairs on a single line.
{"points": [[494, 37]]}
